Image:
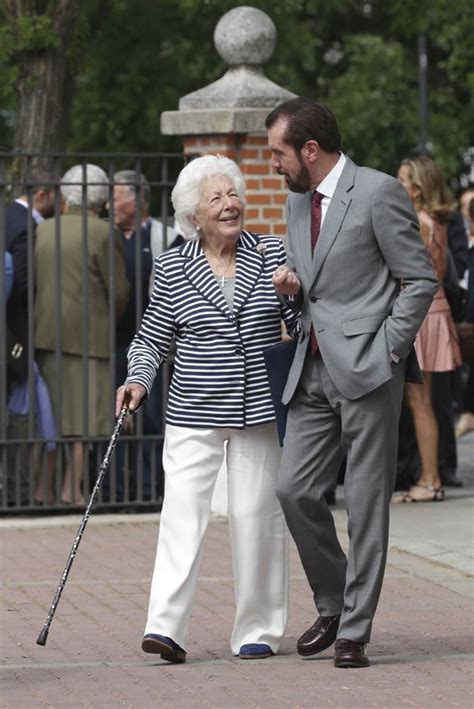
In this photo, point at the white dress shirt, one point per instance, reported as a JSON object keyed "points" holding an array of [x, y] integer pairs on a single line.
{"points": [[36, 215], [328, 185]]}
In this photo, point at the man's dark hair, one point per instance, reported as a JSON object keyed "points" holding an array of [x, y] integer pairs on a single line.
{"points": [[307, 119], [40, 178]]}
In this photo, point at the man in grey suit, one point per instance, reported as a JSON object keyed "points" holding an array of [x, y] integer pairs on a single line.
{"points": [[359, 271]]}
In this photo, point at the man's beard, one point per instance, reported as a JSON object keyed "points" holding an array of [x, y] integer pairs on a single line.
{"points": [[47, 211], [301, 182]]}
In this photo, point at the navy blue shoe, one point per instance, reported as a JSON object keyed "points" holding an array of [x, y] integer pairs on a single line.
{"points": [[255, 651], [164, 646]]}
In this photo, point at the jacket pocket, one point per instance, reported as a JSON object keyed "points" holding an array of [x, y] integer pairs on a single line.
{"points": [[366, 323]]}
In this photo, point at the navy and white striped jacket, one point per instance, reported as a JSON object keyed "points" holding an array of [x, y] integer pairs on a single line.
{"points": [[219, 377]]}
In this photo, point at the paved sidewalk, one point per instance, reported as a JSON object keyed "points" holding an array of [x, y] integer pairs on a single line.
{"points": [[421, 650]]}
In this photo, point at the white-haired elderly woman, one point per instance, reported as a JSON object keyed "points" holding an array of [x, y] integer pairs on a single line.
{"points": [[214, 298], [78, 280]]}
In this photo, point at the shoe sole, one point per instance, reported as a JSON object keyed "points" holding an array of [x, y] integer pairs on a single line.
{"points": [[166, 652], [351, 664], [256, 657]]}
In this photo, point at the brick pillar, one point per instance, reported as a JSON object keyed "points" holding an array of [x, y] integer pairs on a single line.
{"points": [[228, 116], [266, 191]]}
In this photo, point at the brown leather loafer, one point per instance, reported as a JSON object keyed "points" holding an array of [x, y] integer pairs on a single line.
{"points": [[319, 637], [349, 653]]}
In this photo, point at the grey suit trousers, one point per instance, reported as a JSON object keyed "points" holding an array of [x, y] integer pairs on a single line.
{"points": [[322, 426]]}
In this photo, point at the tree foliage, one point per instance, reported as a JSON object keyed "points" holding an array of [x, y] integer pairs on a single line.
{"points": [[133, 59], [39, 35]]}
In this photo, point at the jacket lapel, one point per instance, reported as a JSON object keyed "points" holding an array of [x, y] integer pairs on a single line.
{"points": [[199, 274], [334, 217], [249, 266], [304, 237]]}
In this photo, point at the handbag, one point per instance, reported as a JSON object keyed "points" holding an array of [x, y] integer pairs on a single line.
{"points": [[457, 301], [278, 360], [17, 359]]}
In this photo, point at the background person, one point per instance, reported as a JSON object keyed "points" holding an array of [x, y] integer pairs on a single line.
{"points": [[38, 196], [436, 344], [132, 216], [443, 384], [70, 419], [40, 191], [465, 200], [214, 297], [352, 237], [446, 386], [465, 423]]}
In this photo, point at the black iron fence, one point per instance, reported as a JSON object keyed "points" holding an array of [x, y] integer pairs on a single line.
{"points": [[52, 394]]}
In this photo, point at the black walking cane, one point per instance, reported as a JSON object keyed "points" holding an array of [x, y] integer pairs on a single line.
{"points": [[43, 636]]}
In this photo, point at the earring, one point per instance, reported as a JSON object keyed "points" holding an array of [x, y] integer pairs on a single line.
{"points": [[198, 228]]}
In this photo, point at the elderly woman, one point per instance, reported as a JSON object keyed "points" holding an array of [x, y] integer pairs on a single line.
{"points": [[214, 296], [74, 275]]}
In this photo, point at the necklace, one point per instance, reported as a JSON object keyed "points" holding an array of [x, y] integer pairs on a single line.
{"points": [[221, 271]]}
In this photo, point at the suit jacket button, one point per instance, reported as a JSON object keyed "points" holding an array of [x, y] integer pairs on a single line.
{"points": [[313, 299]]}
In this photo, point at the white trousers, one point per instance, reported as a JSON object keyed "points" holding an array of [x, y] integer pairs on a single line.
{"points": [[191, 460]]}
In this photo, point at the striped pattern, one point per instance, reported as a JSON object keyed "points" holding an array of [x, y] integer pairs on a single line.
{"points": [[219, 377]]}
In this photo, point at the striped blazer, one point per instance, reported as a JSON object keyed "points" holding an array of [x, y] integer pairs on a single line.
{"points": [[219, 377]]}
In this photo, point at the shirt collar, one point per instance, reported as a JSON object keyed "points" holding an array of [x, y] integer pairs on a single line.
{"points": [[327, 186], [36, 215]]}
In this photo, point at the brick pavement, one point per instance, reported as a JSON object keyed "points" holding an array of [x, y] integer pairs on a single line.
{"points": [[421, 648]]}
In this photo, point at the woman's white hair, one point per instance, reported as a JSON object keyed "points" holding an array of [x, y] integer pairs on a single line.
{"points": [[97, 183], [187, 191]]}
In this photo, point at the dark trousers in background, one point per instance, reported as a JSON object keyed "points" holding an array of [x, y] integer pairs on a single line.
{"points": [[467, 403], [148, 453], [18, 479], [442, 397]]}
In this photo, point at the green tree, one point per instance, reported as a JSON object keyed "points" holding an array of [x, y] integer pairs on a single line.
{"points": [[38, 38], [134, 59]]}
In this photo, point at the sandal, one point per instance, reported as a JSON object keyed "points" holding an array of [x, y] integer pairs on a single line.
{"points": [[426, 493], [464, 425]]}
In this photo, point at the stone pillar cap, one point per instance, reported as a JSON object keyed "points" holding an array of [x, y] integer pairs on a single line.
{"points": [[240, 87], [245, 35], [245, 38]]}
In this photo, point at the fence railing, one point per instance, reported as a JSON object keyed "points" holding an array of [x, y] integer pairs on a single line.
{"points": [[80, 286]]}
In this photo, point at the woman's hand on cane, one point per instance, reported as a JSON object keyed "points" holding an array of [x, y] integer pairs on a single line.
{"points": [[129, 395]]}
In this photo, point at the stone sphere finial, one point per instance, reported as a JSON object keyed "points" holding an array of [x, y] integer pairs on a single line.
{"points": [[245, 35]]}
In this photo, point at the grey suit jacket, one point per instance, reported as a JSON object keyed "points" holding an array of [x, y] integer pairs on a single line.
{"points": [[368, 285]]}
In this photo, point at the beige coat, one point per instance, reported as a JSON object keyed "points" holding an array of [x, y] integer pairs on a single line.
{"points": [[73, 282]]}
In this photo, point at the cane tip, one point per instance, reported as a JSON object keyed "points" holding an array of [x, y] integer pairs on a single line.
{"points": [[42, 637]]}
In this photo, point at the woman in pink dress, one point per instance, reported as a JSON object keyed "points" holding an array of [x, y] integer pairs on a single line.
{"points": [[436, 345]]}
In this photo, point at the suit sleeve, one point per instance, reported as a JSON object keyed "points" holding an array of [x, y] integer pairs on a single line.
{"points": [[397, 233], [19, 251], [457, 242], [289, 311], [121, 283], [291, 302]]}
